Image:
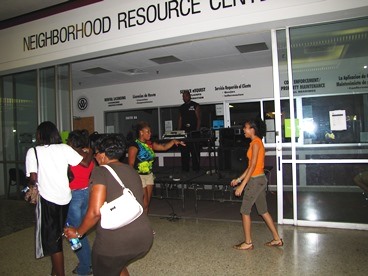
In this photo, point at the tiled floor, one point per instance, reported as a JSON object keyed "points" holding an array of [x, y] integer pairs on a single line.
{"points": [[203, 247], [200, 243]]}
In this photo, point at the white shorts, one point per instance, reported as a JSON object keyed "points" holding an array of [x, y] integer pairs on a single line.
{"points": [[147, 179]]}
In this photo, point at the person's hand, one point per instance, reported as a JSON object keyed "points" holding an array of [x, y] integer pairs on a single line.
{"points": [[70, 232], [239, 191], [177, 142], [235, 182]]}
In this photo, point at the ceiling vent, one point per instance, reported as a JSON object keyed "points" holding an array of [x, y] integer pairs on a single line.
{"points": [[164, 60], [247, 48], [96, 71]]}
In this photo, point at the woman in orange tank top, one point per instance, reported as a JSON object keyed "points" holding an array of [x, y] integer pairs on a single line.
{"points": [[254, 182]]}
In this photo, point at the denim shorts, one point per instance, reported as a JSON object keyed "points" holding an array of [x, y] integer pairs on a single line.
{"points": [[255, 193]]}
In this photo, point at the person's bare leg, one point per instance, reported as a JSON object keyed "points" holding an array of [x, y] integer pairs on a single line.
{"points": [[247, 224], [145, 200], [149, 195], [57, 260], [270, 224], [124, 272]]}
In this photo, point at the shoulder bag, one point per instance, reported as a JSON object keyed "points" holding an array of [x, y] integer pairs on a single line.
{"points": [[121, 211], [32, 194]]}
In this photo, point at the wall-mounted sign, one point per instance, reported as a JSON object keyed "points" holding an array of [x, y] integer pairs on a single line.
{"points": [[82, 103]]}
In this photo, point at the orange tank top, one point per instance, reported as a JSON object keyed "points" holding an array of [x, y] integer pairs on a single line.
{"points": [[260, 158]]}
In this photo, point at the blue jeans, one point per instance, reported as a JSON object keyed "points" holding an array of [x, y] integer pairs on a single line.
{"points": [[77, 209]]}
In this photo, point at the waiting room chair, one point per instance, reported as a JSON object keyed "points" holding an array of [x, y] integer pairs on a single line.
{"points": [[16, 179]]}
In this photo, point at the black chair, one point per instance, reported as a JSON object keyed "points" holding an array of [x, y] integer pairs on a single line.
{"points": [[267, 171], [17, 178]]}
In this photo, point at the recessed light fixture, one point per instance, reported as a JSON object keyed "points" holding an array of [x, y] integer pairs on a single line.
{"points": [[135, 71], [365, 66]]}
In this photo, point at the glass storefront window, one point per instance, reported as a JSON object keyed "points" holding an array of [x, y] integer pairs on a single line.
{"points": [[20, 114], [64, 96], [18, 121], [169, 118], [239, 112], [48, 95], [269, 117], [317, 119], [209, 118], [124, 122], [329, 94]]}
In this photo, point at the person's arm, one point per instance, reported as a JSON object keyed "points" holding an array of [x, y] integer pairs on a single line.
{"points": [[166, 146], [238, 180], [96, 200], [248, 173], [31, 166], [132, 155], [87, 154], [32, 179], [198, 115]]}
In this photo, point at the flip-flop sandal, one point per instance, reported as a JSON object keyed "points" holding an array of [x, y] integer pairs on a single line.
{"points": [[244, 246], [275, 243]]}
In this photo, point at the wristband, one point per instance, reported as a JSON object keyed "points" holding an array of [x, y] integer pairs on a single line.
{"points": [[238, 180]]}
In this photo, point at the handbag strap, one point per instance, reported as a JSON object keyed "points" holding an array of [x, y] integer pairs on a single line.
{"points": [[114, 174], [37, 162], [36, 155]]}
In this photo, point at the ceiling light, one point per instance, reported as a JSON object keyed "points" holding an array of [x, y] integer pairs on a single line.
{"points": [[132, 72]]}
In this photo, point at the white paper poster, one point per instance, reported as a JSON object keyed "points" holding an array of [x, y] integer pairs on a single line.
{"points": [[219, 110], [168, 126], [338, 120]]}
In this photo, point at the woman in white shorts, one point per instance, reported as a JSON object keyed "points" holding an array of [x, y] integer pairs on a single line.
{"points": [[141, 155]]}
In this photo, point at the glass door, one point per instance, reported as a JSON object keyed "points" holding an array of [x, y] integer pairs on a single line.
{"points": [[322, 149], [28, 98]]}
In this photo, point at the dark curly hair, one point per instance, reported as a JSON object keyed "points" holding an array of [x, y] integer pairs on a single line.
{"points": [[78, 139], [258, 125], [141, 125], [113, 145], [47, 134]]}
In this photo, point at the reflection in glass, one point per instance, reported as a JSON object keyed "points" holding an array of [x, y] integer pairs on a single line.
{"points": [[124, 122], [316, 113], [48, 94]]}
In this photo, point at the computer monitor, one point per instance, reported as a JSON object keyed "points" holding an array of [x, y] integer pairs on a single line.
{"points": [[217, 124]]}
